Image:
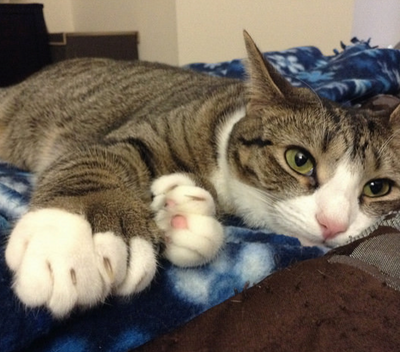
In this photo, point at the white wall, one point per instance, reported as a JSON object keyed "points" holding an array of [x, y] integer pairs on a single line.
{"points": [[212, 30], [184, 31], [57, 13], [154, 19], [378, 20]]}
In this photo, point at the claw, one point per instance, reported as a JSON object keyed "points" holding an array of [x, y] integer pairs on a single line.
{"points": [[73, 277], [109, 269], [200, 199]]}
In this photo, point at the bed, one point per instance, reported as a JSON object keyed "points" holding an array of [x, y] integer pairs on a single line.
{"points": [[229, 302]]}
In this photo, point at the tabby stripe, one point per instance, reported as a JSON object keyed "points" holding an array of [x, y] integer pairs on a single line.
{"points": [[145, 153], [189, 146], [85, 177], [244, 168], [326, 141], [258, 142], [79, 192], [87, 162], [180, 163], [87, 166], [378, 159]]}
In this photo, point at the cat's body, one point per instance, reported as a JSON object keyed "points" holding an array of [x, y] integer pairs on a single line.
{"points": [[133, 157]]}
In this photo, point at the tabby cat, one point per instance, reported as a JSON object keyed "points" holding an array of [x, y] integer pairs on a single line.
{"points": [[133, 159]]}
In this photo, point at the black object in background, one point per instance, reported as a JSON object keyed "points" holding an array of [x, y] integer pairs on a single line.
{"points": [[24, 41]]}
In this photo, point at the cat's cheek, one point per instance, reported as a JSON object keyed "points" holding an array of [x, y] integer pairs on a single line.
{"points": [[297, 218]]}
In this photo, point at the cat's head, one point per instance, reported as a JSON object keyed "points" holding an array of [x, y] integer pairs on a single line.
{"points": [[305, 166]]}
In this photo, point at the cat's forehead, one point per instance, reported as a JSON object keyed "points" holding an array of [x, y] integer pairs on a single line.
{"points": [[357, 127], [333, 134], [327, 123]]}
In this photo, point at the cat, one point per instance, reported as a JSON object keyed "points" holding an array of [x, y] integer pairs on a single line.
{"points": [[134, 160]]}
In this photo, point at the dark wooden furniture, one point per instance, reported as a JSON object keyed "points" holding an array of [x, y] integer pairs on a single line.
{"points": [[114, 45]]}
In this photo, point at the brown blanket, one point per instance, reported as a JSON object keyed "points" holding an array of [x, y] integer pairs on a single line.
{"points": [[347, 300]]}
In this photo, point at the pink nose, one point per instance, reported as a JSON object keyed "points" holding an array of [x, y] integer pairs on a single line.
{"points": [[331, 227]]}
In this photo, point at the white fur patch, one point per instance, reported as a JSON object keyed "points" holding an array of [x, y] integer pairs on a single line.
{"points": [[337, 200], [222, 179], [202, 238], [142, 267], [245, 201], [60, 264]]}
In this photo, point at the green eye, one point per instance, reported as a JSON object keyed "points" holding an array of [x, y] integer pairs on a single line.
{"points": [[377, 188], [300, 161]]}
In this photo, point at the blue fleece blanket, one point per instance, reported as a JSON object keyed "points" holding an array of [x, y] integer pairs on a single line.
{"points": [[177, 295], [355, 73]]}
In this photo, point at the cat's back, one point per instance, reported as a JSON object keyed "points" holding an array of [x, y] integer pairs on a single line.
{"points": [[108, 84], [99, 94], [84, 100]]}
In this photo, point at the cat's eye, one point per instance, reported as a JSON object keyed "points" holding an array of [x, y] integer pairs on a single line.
{"points": [[377, 188], [300, 161]]}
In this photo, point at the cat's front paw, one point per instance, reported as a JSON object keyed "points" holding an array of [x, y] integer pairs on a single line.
{"points": [[59, 263], [186, 214]]}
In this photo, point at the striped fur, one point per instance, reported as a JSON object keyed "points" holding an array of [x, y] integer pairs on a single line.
{"points": [[88, 126]]}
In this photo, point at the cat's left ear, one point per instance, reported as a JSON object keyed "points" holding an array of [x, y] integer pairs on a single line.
{"points": [[266, 84]]}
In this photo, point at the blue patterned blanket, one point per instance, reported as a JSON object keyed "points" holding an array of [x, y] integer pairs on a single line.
{"points": [[355, 73], [177, 295]]}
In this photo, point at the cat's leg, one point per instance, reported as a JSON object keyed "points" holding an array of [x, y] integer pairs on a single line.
{"points": [[86, 236], [187, 215]]}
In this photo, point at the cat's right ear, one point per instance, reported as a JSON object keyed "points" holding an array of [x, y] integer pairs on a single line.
{"points": [[265, 83], [394, 119]]}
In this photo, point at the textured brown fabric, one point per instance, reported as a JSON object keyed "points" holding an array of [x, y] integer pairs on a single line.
{"points": [[316, 305]]}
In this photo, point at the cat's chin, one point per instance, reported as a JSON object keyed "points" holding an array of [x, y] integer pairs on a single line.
{"points": [[310, 240], [341, 239], [310, 243]]}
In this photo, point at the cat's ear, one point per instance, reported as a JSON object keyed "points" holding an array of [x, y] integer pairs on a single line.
{"points": [[394, 119], [265, 83]]}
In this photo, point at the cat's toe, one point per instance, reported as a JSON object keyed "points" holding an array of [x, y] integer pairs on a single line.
{"points": [[196, 244], [142, 267], [112, 257], [57, 264], [166, 183]]}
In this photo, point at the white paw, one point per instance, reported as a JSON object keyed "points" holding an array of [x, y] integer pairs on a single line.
{"points": [[60, 264], [186, 214]]}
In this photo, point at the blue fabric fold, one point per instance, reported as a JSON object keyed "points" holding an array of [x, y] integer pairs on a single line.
{"points": [[358, 72]]}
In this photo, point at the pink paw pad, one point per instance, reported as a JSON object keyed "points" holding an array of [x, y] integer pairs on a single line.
{"points": [[179, 222]]}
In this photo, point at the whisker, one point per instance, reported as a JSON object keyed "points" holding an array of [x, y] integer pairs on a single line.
{"points": [[387, 142], [266, 197]]}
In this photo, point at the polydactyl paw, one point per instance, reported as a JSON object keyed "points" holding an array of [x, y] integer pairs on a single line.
{"points": [[59, 263], [186, 214]]}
